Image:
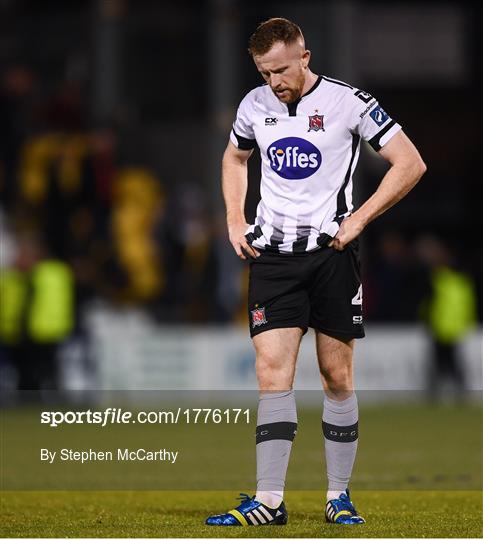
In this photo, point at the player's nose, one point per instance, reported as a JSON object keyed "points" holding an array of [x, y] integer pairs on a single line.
{"points": [[275, 81]]}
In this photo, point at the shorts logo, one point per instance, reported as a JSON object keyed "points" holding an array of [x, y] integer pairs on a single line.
{"points": [[294, 158], [379, 115], [316, 122], [258, 317], [357, 319]]}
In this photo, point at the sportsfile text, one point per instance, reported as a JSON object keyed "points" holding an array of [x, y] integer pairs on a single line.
{"points": [[114, 415]]}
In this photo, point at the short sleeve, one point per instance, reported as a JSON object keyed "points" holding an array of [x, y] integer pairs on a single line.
{"points": [[370, 120], [242, 134]]}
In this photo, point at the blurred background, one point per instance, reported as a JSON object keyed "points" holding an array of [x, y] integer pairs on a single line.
{"points": [[115, 267]]}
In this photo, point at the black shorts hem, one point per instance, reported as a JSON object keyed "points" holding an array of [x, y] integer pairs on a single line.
{"points": [[260, 329], [340, 334]]}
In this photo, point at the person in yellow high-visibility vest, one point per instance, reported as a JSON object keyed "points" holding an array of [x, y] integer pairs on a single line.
{"points": [[449, 312], [36, 314]]}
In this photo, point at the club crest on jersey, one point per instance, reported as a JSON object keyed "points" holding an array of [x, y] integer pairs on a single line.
{"points": [[294, 158], [258, 317], [316, 122]]}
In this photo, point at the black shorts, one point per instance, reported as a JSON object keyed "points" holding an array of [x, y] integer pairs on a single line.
{"points": [[321, 289]]}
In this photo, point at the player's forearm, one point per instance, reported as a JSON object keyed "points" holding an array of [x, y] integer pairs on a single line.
{"points": [[395, 185], [234, 185]]}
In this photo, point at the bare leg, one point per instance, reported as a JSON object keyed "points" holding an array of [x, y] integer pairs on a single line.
{"points": [[340, 417], [277, 415], [335, 365], [276, 352]]}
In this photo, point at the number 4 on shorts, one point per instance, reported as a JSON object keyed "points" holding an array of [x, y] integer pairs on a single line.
{"points": [[357, 300]]}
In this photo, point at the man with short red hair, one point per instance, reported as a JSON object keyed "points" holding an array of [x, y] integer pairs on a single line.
{"points": [[303, 251]]}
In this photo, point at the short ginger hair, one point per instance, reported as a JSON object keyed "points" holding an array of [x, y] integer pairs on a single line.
{"points": [[273, 31]]}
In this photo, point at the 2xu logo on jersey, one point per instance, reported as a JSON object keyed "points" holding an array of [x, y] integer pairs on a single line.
{"points": [[294, 158]]}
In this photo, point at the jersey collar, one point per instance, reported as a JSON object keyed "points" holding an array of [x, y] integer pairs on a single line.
{"points": [[292, 107]]}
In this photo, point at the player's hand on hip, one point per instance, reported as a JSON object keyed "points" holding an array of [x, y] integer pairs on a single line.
{"points": [[239, 241], [349, 229]]}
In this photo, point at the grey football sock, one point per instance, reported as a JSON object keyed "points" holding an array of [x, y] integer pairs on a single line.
{"points": [[340, 427], [276, 428]]}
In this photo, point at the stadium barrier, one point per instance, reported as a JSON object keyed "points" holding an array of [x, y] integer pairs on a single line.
{"points": [[129, 351]]}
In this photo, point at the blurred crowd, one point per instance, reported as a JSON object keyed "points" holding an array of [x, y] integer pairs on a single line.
{"points": [[125, 236], [79, 224]]}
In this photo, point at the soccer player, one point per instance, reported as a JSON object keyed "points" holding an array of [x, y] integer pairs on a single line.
{"points": [[303, 251]]}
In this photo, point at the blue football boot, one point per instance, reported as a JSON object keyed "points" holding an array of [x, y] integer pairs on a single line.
{"points": [[250, 512], [342, 511]]}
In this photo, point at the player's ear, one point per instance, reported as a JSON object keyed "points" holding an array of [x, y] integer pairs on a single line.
{"points": [[306, 59]]}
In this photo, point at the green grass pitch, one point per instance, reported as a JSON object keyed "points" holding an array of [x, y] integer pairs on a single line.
{"points": [[181, 514], [418, 474]]}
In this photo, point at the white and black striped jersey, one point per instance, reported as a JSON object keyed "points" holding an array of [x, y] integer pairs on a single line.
{"points": [[309, 151]]}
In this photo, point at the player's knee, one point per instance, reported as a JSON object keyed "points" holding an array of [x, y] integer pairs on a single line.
{"points": [[274, 382], [338, 379], [272, 374], [267, 361]]}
